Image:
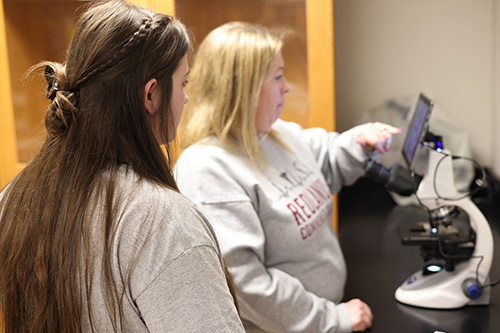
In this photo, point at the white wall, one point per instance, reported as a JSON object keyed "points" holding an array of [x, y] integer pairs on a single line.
{"points": [[445, 48], [496, 88]]}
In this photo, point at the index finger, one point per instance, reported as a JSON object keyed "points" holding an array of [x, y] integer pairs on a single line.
{"points": [[391, 129]]}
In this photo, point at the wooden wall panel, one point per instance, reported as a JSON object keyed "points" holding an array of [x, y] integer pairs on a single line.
{"points": [[8, 151], [162, 6], [321, 69], [36, 30], [202, 16]]}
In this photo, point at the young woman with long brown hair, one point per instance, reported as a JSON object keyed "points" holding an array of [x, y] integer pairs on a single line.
{"points": [[93, 232]]}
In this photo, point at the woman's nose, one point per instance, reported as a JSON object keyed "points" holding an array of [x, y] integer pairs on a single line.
{"points": [[287, 87]]}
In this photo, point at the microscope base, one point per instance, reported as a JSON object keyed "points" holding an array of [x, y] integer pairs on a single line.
{"points": [[441, 290]]}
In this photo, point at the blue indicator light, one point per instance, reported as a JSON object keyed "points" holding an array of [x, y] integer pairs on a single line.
{"points": [[411, 280]]}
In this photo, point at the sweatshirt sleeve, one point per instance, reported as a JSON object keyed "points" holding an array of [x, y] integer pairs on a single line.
{"points": [[339, 157], [182, 297]]}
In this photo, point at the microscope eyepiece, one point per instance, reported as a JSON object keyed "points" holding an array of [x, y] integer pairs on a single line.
{"points": [[397, 179]]}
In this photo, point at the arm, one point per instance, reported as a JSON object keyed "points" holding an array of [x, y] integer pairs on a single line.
{"points": [[341, 155], [190, 295]]}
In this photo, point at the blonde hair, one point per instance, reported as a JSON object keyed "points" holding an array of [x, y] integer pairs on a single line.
{"points": [[226, 80]]}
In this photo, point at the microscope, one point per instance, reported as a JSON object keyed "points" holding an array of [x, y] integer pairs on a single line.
{"points": [[455, 242]]}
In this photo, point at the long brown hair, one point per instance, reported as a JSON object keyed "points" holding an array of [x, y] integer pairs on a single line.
{"points": [[95, 123]]}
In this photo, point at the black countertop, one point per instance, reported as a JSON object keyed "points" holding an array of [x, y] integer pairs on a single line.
{"points": [[378, 263]]}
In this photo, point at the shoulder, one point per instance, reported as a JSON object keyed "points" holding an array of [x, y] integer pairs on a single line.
{"points": [[294, 133], [283, 127], [156, 226], [209, 159], [212, 173], [209, 150], [161, 214]]}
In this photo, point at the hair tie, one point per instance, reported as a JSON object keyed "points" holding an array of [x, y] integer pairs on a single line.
{"points": [[51, 91]]}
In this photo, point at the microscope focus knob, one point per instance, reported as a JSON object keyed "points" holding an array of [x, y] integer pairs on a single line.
{"points": [[471, 288]]}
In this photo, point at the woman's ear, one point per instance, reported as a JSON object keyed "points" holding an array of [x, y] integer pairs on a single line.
{"points": [[151, 96]]}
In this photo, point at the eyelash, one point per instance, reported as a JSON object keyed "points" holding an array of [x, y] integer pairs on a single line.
{"points": [[185, 83], [277, 78]]}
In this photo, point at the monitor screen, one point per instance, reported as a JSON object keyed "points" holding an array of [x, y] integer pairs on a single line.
{"points": [[417, 128]]}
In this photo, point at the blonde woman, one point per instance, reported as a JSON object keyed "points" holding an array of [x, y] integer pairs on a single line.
{"points": [[266, 184], [94, 235]]}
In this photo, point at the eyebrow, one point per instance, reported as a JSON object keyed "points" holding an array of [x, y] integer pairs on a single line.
{"points": [[187, 72]]}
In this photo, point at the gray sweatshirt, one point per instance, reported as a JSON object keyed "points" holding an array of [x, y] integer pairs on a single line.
{"points": [[167, 262], [274, 226]]}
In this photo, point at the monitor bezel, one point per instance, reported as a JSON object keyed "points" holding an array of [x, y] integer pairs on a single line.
{"points": [[422, 129]]}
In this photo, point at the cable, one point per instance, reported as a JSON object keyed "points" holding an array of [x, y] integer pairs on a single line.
{"points": [[455, 157], [429, 212], [483, 178], [448, 256], [466, 257], [493, 284]]}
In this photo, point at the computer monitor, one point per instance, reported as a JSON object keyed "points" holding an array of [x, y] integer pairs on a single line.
{"points": [[417, 128]]}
